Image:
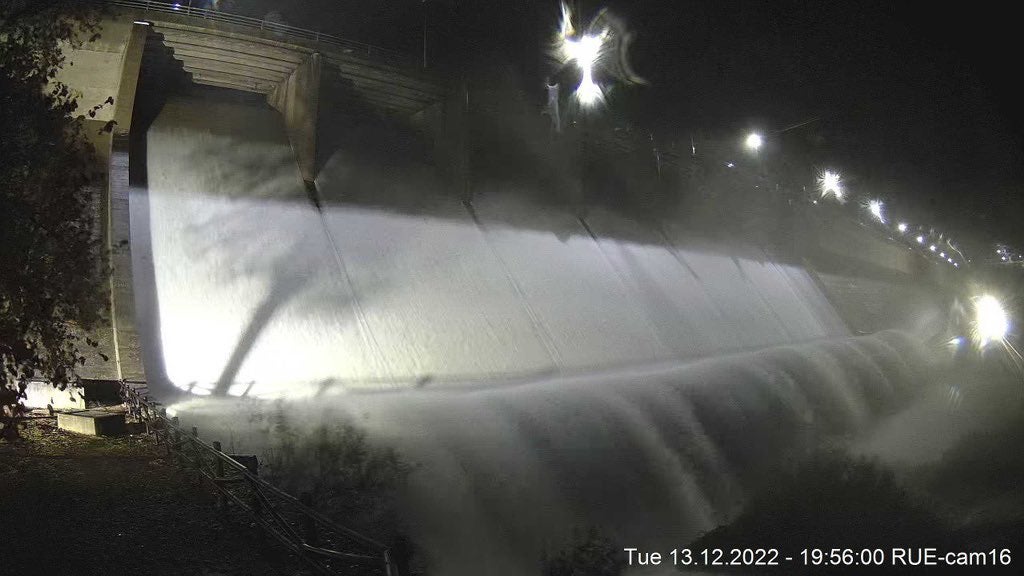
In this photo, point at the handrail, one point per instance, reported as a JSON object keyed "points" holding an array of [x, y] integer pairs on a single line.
{"points": [[186, 9], [224, 471]]}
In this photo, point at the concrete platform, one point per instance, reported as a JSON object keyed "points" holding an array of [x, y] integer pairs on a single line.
{"points": [[92, 422]]}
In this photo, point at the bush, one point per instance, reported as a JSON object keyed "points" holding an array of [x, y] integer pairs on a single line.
{"points": [[352, 481], [832, 499]]}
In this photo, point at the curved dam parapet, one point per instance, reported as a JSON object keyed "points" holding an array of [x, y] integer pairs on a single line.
{"points": [[255, 290]]}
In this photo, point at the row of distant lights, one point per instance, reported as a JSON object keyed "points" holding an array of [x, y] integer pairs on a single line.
{"points": [[1006, 256], [991, 323], [830, 184], [876, 206]]}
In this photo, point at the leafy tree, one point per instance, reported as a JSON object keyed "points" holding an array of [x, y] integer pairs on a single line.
{"points": [[50, 251], [351, 479]]}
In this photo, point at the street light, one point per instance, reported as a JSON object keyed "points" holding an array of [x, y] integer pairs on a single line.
{"points": [[584, 49], [991, 322], [902, 227], [753, 142], [875, 207], [830, 183]]}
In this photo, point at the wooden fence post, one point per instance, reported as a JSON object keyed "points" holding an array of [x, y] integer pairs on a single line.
{"points": [[310, 533], [177, 440], [147, 418], [218, 474], [161, 426], [257, 504], [196, 450]]}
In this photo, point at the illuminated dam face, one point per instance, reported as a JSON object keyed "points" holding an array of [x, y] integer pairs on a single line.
{"points": [[655, 376], [260, 294]]}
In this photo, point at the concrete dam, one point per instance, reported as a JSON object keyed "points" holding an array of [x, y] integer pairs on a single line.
{"points": [[543, 368], [549, 371]]}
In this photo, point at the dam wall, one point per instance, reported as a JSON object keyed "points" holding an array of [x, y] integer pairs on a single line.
{"points": [[261, 293]]}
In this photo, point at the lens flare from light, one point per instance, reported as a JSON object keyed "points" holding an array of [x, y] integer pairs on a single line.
{"points": [[991, 323], [585, 50], [588, 93], [566, 29]]}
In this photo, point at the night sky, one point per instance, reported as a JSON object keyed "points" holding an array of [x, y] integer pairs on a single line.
{"points": [[915, 103], [917, 108]]}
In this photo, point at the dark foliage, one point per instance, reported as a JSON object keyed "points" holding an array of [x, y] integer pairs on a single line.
{"points": [[834, 499], [50, 251], [353, 481]]}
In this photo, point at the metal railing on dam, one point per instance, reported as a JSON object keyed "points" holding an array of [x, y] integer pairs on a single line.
{"points": [[285, 30]]}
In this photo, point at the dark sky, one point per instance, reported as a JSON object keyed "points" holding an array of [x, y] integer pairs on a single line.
{"points": [[917, 102], [917, 107]]}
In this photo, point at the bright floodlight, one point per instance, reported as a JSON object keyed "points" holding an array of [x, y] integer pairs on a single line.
{"points": [[932, 247], [942, 254], [753, 141], [588, 92], [920, 239], [875, 207], [902, 227], [830, 183], [950, 260], [990, 321], [585, 51]]}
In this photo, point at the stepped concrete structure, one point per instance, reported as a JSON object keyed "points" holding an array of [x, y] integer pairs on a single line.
{"points": [[296, 71]]}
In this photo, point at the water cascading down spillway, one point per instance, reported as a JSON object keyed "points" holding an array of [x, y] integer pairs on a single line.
{"points": [[543, 374]]}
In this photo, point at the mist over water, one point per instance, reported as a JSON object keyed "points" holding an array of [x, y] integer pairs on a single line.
{"points": [[653, 457]]}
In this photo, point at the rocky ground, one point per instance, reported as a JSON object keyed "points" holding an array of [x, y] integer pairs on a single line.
{"points": [[80, 505]]}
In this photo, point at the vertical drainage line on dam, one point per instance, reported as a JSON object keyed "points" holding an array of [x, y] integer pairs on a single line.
{"points": [[628, 290], [538, 326], [110, 279], [364, 324]]}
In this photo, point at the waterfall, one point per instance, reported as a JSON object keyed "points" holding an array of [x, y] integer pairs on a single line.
{"points": [[653, 457]]}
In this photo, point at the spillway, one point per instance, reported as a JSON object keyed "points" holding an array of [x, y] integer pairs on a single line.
{"points": [[260, 293], [654, 456], [545, 371]]}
